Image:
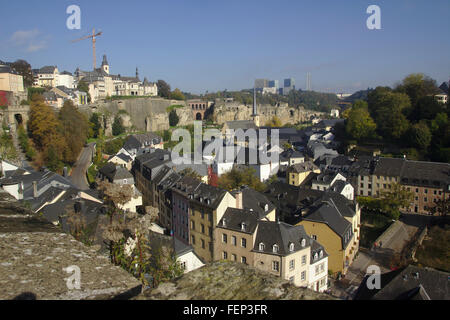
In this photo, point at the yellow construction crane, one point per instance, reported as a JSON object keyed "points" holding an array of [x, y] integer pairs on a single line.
{"points": [[94, 40]]}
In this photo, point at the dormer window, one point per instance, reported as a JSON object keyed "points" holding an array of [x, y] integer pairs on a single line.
{"points": [[316, 256], [262, 246], [224, 222], [291, 247], [321, 254], [303, 242], [243, 226], [275, 248], [266, 207]]}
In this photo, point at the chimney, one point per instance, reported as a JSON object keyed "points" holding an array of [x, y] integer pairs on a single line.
{"points": [[238, 196], [35, 191]]}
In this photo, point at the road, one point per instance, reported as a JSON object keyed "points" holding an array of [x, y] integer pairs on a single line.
{"points": [[78, 175]]}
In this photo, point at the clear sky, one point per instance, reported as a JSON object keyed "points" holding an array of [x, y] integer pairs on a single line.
{"points": [[199, 45]]}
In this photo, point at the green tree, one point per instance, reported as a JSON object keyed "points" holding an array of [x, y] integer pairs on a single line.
{"points": [[419, 136], [417, 86], [163, 89], [188, 172], [173, 118], [24, 69], [237, 178], [360, 125], [386, 108], [95, 124], [84, 87], [395, 198], [117, 127], [177, 95], [275, 122]]}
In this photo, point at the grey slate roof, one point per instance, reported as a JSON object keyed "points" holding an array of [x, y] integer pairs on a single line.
{"points": [[138, 141], [281, 234], [47, 70], [415, 283], [234, 218], [113, 172], [241, 124], [256, 201]]}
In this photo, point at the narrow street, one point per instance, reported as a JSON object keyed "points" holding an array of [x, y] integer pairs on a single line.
{"points": [[78, 176]]}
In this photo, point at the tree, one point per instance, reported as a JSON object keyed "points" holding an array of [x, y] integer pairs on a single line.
{"points": [[391, 200], [386, 108], [419, 136], [173, 118], [117, 127], [24, 69], [84, 87], [177, 95], [360, 124], [417, 86], [275, 122], [95, 124], [237, 178], [75, 128], [188, 172], [163, 89], [45, 129]]}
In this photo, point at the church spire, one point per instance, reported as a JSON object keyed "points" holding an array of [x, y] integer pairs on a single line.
{"points": [[137, 73]]}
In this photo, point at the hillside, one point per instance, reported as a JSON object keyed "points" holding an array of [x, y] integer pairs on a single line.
{"points": [[230, 281]]}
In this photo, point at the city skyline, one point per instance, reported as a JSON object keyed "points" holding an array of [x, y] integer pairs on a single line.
{"points": [[230, 47]]}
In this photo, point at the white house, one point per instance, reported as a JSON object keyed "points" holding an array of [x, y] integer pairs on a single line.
{"points": [[186, 256], [318, 268]]}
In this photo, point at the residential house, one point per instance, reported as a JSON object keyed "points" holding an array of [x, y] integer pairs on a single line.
{"points": [[122, 159], [298, 173], [138, 144], [10, 80], [428, 181], [410, 283]]}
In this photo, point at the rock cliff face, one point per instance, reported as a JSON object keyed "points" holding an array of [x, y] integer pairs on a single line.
{"points": [[230, 281], [145, 114], [224, 112], [34, 256]]}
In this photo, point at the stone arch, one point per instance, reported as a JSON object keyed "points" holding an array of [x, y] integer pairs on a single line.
{"points": [[19, 119], [198, 116], [291, 113]]}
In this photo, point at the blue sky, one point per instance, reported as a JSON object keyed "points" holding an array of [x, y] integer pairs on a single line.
{"points": [[199, 45]]}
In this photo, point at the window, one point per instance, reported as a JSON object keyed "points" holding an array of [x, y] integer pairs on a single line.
{"points": [[203, 244], [193, 239], [224, 238], [303, 243], [233, 241], [225, 255], [317, 270], [275, 266], [244, 243], [292, 265], [262, 247], [244, 260], [210, 231], [304, 260], [303, 276], [291, 247], [193, 225], [322, 267], [233, 257], [203, 215], [183, 265], [203, 228], [291, 279], [275, 248], [314, 237]]}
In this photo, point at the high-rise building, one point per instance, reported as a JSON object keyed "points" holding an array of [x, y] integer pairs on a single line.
{"points": [[274, 84], [261, 83], [289, 83]]}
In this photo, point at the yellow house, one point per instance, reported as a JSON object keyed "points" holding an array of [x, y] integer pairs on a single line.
{"points": [[337, 227], [10, 80], [300, 171]]}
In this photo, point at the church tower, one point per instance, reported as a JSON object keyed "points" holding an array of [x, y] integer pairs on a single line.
{"points": [[105, 64], [137, 73]]}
